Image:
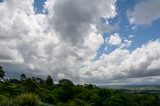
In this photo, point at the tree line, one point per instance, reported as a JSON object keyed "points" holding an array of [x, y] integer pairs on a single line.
{"points": [[35, 91]]}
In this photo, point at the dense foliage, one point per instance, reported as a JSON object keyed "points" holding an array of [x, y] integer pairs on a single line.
{"points": [[38, 92], [1, 72]]}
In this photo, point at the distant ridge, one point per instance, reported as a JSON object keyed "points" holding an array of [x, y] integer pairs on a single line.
{"points": [[132, 87]]}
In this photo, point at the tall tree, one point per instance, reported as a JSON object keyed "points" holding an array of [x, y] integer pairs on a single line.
{"points": [[1, 72], [66, 81], [49, 80], [23, 77]]}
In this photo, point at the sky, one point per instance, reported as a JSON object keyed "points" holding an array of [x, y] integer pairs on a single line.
{"points": [[100, 42]]}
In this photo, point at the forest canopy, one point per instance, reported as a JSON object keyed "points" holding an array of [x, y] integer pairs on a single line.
{"points": [[34, 91]]}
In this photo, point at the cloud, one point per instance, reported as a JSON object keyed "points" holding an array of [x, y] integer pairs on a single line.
{"points": [[63, 43], [30, 43], [115, 39], [126, 43], [145, 12], [122, 64], [73, 19]]}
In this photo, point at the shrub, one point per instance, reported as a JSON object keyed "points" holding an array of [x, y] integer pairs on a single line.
{"points": [[4, 101], [27, 99]]}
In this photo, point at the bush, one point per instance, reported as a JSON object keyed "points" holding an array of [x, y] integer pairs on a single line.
{"points": [[27, 99], [4, 101]]}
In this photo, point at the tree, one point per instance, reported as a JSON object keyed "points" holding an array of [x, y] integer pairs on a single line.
{"points": [[23, 77], [119, 100], [64, 92], [13, 80], [30, 85], [1, 72], [40, 80], [66, 81], [49, 80]]}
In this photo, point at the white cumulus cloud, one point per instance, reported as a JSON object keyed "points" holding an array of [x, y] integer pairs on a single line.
{"points": [[145, 12], [63, 43], [115, 39]]}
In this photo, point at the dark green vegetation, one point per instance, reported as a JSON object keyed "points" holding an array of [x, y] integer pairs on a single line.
{"points": [[38, 92]]}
